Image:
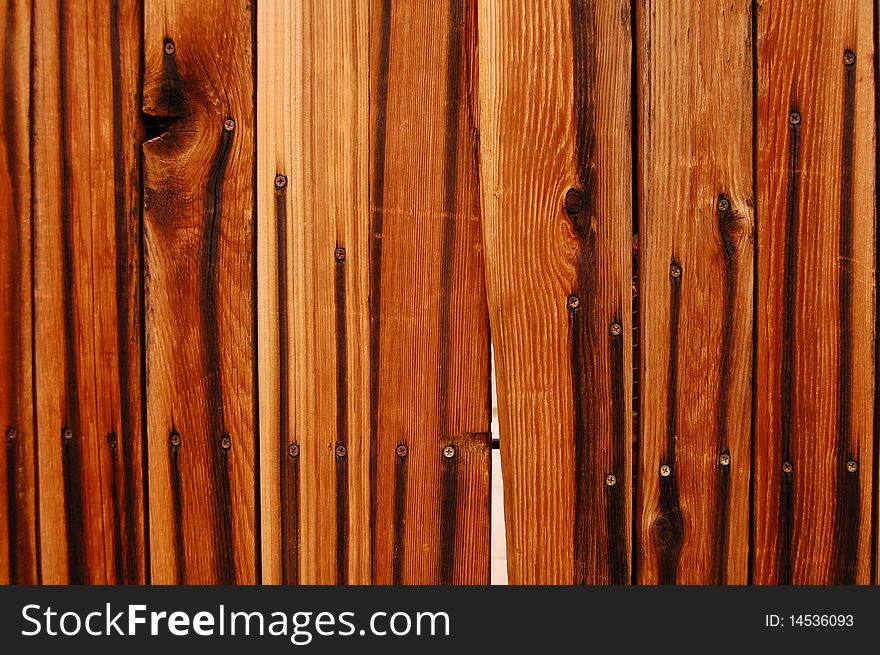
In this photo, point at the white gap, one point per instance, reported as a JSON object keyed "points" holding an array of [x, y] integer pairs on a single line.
{"points": [[499, 542]]}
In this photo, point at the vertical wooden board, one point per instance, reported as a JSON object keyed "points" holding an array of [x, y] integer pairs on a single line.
{"points": [[18, 552], [199, 296], [556, 190], [429, 356], [313, 271], [86, 292], [696, 245], [816, 167]]}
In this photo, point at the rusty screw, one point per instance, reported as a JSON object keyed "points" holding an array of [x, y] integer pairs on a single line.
{"points": [[449, 451], [665, 470], [794, 118], [401, 451], [169, 47], [573, 302], [615, 329], [280, 181], [229, 125], [849, 58], [67, 434], [723, 205], [293, 449], [341, 451], [225, 442], [339, 253], [724, 459], [11, 434], [852, 466], [787, 467], [675, 271], [610, 480], [175, 439]]}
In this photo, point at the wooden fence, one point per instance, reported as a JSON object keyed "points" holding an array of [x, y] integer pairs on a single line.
{"points": [[251, 252]]}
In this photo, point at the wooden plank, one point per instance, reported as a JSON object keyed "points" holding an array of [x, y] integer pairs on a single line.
{"points": [[18, 553], [86, 296], [429, 345], [313, 270], [816, 184], [200, 317], [556, 179], [696, 245]]}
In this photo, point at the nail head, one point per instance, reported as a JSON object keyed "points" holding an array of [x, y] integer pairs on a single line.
{"points": [[449, 452]]}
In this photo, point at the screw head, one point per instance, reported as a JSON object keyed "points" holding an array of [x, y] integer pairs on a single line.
{"points": [[794, 118], [615, 329], [11, 434], [574, 201], [339, 253], [225, 442], [573, 302], [401, 450], [665, 471], [449, 451], [175, 439], [787, 467], [67, 434], [610, 480], [675, 271], [341, 451], [723, 204], [169, 47], [280, 181], [852, 466], [849, 58], [293, 450], [724, 459], [229, 125]]}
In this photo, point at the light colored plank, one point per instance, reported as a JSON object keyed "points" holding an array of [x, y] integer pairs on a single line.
{"points": [[555, 133], [696, 245], [200, 318], [816, 285]]}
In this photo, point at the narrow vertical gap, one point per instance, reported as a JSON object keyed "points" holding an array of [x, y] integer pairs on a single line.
{"points": [[755, 270], [636, 286]]}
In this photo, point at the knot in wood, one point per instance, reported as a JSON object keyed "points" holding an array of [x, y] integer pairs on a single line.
{"points": [[574, 201], [112, 440]]}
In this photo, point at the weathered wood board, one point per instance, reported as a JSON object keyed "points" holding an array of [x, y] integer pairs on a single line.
{"points": [[199, 224], [815, 293], [86, 331], [696, 257], [556, 189]]}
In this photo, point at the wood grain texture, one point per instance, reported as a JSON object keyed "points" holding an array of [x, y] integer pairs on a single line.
{"points": [[429, 341], [18, 543], [556, 189], [86, 293], [199, 295], [313, 268], [696, 248], [816, 285]]}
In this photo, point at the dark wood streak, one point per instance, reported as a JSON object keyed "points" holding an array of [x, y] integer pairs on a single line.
{"points": [[127, 570], [399, 519], [118, 562], [789, 339], [729, 228], [584, 319], [615, 518], [341, 428], [12, 497], [76, 558], [177, 507], [377, 201], [846, 519], [448, 511], [454, 80], [289, 465], [212, 357], [668, 527]]}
